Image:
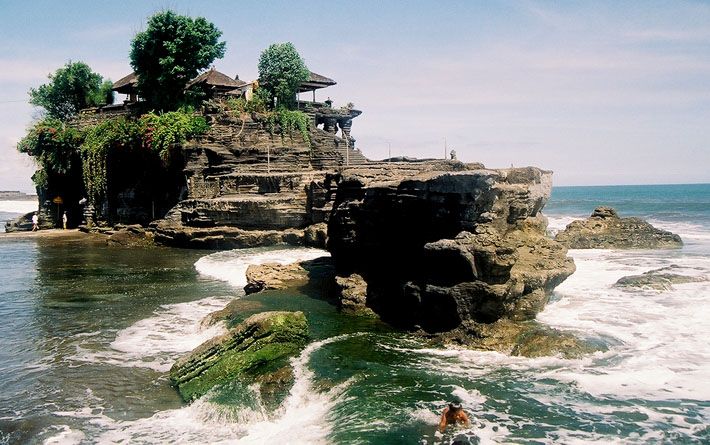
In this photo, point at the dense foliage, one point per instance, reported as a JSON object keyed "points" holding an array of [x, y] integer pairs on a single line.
{"points": [[288, 122], [71, 88], [53, 144], [281, 72], [171, 52], [161, 131], [99, 142]]}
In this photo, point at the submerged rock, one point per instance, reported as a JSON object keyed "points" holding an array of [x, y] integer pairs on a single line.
{"points": [[606, 230], [527, 339], [658, 279], [258, 346]]}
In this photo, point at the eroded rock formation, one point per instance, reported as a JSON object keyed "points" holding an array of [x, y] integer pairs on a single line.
{"points": [[447, 250], [606, 230]]}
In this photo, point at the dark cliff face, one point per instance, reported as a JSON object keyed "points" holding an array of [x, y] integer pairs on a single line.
{"points": [[441, 248]]}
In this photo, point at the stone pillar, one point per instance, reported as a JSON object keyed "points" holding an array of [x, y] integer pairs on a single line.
{"points": [[330, 124], [345, 126]]}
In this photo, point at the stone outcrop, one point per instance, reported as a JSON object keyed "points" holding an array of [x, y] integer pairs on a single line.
{"points": [[447, 250], [352, 292], [20, 224], [658, 280], [243, 175], [526, 339], [252, 350], [130, 236], [318, 272], [606, 230]]}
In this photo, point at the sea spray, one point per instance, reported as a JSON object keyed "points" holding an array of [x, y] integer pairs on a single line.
{"points": [[303, 417], [231, 265]]}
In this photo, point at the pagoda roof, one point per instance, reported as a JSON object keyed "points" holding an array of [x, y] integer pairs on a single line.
{"points": [[214, 78], [315, 81], [125, 85]]}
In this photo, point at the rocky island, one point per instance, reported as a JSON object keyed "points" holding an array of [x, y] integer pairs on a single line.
{"points": [[605, 229], [452, 251]]}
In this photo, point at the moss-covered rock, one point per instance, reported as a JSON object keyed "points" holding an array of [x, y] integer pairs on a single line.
{"points": [[259, 345]]}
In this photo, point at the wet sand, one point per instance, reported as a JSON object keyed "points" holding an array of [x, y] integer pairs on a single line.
{"points": [[53, 234]]}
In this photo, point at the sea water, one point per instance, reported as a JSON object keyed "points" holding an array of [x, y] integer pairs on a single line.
{"points": [[89, 332]]}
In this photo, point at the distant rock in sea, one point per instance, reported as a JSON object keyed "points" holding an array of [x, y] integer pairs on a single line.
{"points": [[658, 279], [606, 230]]}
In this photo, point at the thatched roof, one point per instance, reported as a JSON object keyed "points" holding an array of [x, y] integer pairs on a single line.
{"points": [[214, 78], [316, 81], [126, 85]]}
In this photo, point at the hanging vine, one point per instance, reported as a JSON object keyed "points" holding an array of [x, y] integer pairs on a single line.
{"points": [[289, 122], [99, 141]]}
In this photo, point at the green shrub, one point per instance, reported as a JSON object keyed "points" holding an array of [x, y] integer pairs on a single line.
{"points": [[289, 121], [53, 145], [161, 131]]}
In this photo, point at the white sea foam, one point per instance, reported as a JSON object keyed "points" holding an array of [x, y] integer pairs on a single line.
{"points": [[18, 206], [173, 329], [301, 419], [662, 351], [65, 436], [231, 265], [156, 342]]}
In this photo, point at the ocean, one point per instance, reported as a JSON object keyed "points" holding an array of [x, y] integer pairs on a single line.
{"points": [[89, 333]]}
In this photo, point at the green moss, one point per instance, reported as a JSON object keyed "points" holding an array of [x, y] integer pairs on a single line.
{"points": [[262, 344]]}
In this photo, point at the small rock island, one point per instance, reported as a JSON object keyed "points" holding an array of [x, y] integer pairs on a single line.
{"points": [[604, 229]]}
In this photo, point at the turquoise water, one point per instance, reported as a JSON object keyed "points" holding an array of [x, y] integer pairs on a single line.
{"points": [[89, 333], [688, 203]]}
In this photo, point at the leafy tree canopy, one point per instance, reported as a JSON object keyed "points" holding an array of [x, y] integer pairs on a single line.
{"points": [[281, 71], [169, 53], [71, 88]]}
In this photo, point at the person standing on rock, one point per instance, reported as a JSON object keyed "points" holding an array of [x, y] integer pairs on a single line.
{"points": [[35, 222], [453, 414]]}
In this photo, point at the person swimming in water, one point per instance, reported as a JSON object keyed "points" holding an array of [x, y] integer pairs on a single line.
{"points": [[453, 414]]}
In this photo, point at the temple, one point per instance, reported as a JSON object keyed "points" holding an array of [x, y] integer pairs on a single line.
{"points": [[215, 85]]}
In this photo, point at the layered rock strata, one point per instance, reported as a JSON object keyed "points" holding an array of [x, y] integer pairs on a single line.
{"points": [[260, 345], [606, 230]]}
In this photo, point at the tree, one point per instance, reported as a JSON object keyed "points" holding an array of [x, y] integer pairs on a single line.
{"points": [[171, 52], [71, 88], [281, 72]]}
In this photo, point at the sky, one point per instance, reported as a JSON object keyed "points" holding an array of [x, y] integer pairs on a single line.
{"points": [[599, 92]]}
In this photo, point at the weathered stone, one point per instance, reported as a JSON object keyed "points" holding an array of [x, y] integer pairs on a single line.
{"points": [[131, 236], [273, 276], [438, 249], [528, 339], [606, 230], [261, 344], [353, 295], [318, 273], [316, 235], [659, 280], [20, 224]]}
